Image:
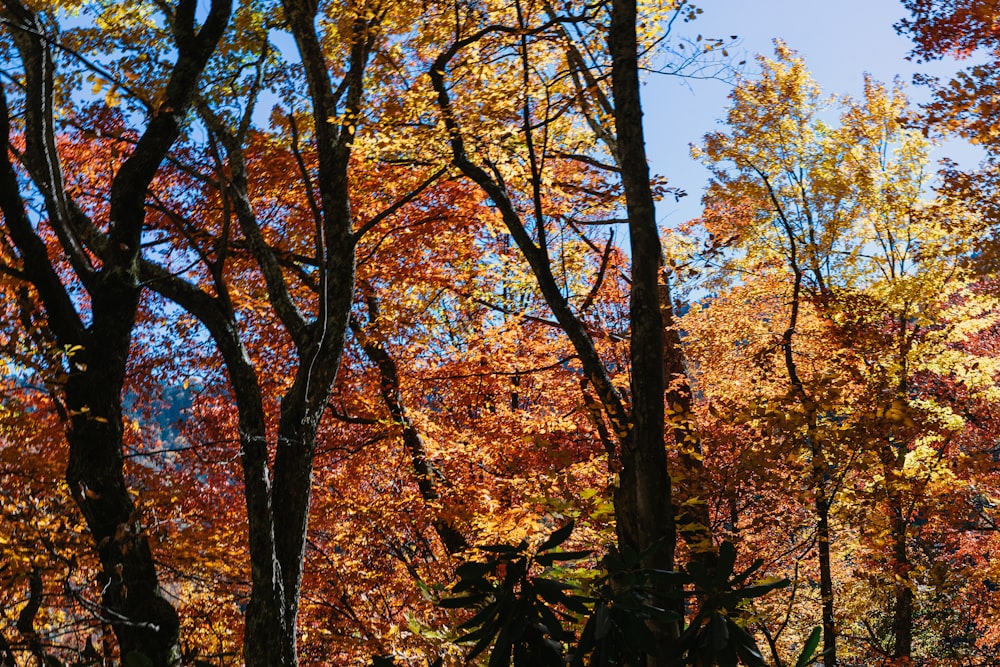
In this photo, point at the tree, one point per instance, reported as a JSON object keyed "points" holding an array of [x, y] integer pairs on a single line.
{"points": [[517, 187], [836, 212], [644, 506], [215, 256], [963, 29], [389, 320], [90, 304]]}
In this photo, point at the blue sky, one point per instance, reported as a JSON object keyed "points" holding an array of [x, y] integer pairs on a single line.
{"points": [[840, 40]]}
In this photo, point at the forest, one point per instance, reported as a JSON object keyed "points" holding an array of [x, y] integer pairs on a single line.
{"points": [[345, 333]]}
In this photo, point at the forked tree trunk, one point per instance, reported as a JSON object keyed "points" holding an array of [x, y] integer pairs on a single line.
{"points": [[143, 621]]}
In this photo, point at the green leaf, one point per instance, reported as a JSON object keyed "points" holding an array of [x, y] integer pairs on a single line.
{"points": [[500, 655], [806, 657], [746, 646], [718, 627], [551, 587], [550, 623], [745, 574], [481, 617], [576, 603]]}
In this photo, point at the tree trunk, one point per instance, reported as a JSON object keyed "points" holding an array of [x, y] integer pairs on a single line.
{"points": [[826, 580], [902, 621], [645, 517], [143, 621], [642, 497], [267, 638], [902, 613]]}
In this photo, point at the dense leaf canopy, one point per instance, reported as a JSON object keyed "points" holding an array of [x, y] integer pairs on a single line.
{"points": [[341, 333]]}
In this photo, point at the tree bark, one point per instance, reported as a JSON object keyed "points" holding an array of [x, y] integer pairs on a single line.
{"points": [[645, 518], [902, 616], [321, 349], [143, 621], [826, 580], [903, 601]]}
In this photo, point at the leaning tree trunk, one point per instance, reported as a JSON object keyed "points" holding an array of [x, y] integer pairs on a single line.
{"points": [[374, 346]]}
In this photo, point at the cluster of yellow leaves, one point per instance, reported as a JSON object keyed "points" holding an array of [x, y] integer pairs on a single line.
{"points": [[836, 268]]}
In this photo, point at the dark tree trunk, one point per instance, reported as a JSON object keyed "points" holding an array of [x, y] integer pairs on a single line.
{"points": [[278, 497], [320, 348], [268, 640], [902, 612], [642, 496], [643, 507], [826, 581], [143, 621], [902, 617]]}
